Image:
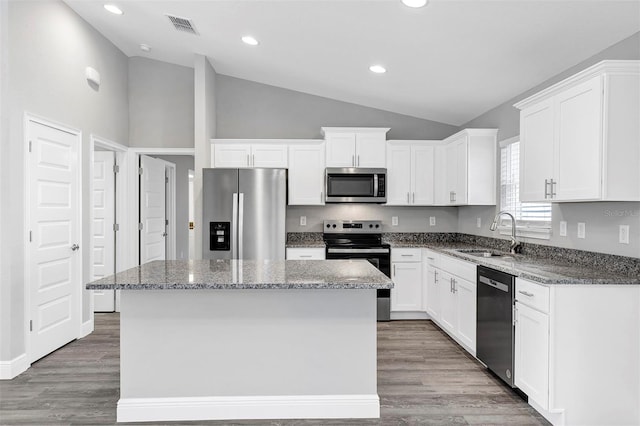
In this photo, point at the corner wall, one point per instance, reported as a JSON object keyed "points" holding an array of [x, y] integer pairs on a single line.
{"points": [[602, 218]]}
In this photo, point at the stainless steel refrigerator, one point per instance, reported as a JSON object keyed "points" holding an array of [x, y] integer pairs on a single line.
{"points": [[244, 213]]}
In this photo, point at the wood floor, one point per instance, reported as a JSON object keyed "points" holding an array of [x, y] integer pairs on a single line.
{"points": [[424, 378]]}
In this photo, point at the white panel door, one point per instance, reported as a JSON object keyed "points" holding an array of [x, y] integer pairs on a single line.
{"points": [[422, 175], [398, 175], [269, 156], [341, 149], [55, 279], [306, 174], [152, 209], [231, 155], [371, 150], [466, 294], [536, 151], [579, 144], [432, 293], [406, 295], [448, 303], [104, 236]]}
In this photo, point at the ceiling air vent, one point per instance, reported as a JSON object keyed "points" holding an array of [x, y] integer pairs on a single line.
{"points": [[182, 24]]}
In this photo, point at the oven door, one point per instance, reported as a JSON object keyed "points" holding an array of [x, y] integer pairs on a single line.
{"points": [[351, 185], [378, 257]]}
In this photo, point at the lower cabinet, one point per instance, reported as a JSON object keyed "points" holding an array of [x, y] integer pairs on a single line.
{"points": [[406, 274], [305, 253]]}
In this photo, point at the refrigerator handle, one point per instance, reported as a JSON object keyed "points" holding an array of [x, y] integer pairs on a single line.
{"points": [[234, 227], [240, 224]]}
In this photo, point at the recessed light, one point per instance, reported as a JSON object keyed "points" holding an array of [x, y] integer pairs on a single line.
{"points": [[414, 3], [378, 69], [145, 47], [250, 40], [113, 9]]}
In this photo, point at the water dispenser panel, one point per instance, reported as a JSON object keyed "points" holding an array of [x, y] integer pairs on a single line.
{"points": [[219, 236]]}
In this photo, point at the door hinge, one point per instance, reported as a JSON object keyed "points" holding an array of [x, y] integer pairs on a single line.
{"points": [[166, 179], [166, 221], [30, 325], [515, 315], [116, 168], [140, 170], [140, 226], [30, 236], [30, 143], [116, 227]]}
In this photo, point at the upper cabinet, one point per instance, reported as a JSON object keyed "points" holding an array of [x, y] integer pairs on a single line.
{"points": [[580, 138], [466, 168], [355, 147], [410, 173], [248, 153], [306, 173]]}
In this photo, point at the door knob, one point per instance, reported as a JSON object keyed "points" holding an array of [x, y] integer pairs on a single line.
{"points": [[75, 247]]}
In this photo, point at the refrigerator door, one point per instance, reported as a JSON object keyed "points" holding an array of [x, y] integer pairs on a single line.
{"points": [[219, 213], [261, 212]]}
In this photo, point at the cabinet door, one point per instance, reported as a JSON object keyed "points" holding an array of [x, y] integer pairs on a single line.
{"points": [[578, 149], [432, 293], [269, 156], [456, 173], [231, 155], [341, 149], [536, 150], [406, 295], [531, 368], [422, 175], [306, 175], [371, 150], [448, 305], [465, 292], [305, 253], [440, 172], [398, 175]]}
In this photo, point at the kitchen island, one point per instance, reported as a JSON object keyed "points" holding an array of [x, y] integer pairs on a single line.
{"points": [[232, 339]]}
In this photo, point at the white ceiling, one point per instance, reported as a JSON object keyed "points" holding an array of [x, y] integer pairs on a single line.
{"points": [[450, 61]]}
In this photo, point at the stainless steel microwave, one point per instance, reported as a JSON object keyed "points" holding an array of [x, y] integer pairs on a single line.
{"points": [[355, 185]]}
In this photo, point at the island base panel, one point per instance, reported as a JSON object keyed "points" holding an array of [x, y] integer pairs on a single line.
{"points": [[247, 354]]}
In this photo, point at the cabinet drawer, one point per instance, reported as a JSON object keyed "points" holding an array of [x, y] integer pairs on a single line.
{"points": [[533, 295], [461, 268], [406, 255], [431, 258], [306, 253]]}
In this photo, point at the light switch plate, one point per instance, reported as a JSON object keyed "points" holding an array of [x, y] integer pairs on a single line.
{"points": [[623, 236], [479, 222], [303, 221], [581, 230], [563, 228], [394, 220], [432, 221]]}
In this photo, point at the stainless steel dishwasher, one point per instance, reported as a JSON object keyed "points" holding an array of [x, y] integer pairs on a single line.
{"points": [[495, 329]]}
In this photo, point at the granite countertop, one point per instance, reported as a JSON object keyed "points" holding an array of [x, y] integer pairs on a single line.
{"points": [[246, 274], [538, 269]]}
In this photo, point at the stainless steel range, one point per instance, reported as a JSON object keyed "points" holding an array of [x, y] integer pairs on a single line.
{"points": [[361, 239]]}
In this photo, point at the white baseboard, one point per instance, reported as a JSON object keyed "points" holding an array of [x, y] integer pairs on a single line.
{"points": [[86, 328], [412, 315], [10, 369], [249, 407], [555, 417]]}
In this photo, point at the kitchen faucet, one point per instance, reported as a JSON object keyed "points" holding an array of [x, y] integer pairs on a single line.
{"points": [[515, 245]]}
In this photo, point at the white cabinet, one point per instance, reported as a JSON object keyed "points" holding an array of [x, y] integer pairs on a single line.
{"points": [[305, 253], [306, 173], [245, 153], [468, 176], [406, 274], [355, 147], [532, 354], [451, 298], [579, 139], [431, 285], [410, 173]]}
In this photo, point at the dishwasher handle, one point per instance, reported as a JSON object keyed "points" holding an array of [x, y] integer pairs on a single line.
{"points": [[493, 283]]}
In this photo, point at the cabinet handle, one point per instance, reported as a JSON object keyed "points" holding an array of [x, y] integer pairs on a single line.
{"points": [[248, 160], [408, 198], [406, 255], [414, 198], [451, 285], [320, 196], [435, 276], [454, 196], [526, 293], [394, 270], [353, 160], [546, 189], [358, 161], [305, 255], [553, 189], [455, 287], [253, 160]]}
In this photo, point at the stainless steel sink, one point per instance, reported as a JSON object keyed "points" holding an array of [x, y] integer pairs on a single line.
{"points": [[482, 252]]}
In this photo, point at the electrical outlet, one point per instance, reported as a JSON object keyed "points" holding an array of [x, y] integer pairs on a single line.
{"points": [[563, 228], [623, 234], [394, 220], [303, 221], [432, 221], [478, 222], [581, 230]]}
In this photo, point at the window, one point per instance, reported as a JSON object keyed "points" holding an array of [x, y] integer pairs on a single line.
{"points": [[532, 219]]}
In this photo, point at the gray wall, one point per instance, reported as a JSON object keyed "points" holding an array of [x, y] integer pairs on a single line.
{"points": [[602, 219], [49, 48], [160, 104], [410, 219], [246, 109], [183, 164]]}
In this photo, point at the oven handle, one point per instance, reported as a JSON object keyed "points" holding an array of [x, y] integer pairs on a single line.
{"points": [[348, 250]]}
